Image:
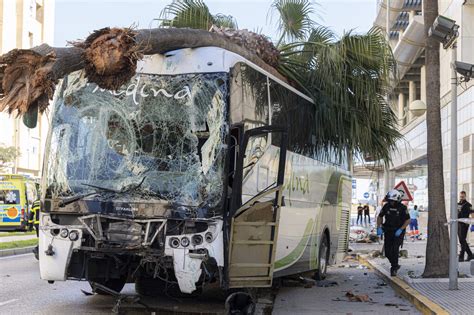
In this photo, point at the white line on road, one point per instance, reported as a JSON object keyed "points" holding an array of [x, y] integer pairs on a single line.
{"points": [[8, 302]]}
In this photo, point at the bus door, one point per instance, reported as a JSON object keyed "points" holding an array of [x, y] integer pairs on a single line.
{"points": [[254, 224]]}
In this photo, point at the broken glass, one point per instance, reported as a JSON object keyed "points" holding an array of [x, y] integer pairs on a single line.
{"points": [[167, 131]]}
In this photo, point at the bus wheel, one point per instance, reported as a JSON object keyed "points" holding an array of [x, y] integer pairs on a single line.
{"points": [[323, 259], [113, 284]]}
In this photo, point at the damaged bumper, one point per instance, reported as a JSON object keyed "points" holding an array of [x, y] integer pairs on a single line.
{"points": [[185, 246]]}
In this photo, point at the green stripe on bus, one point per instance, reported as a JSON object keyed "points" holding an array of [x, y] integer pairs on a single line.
{"points": [[298, 251]]}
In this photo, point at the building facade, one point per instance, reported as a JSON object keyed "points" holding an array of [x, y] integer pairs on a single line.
{"points": [[405, 20], [25, 24]]}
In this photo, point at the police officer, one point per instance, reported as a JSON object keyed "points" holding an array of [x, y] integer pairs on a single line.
{"points": [[33, 220], [464, 211], [396, 220]]}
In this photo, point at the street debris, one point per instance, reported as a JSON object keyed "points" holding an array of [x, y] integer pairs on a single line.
{"points": [[358, 298], [360, 234], [403, 253], [326, 283]]}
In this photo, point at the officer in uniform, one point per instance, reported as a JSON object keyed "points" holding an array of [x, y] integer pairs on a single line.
{"points": [[33, 220], [464, 212], [396, 221]]}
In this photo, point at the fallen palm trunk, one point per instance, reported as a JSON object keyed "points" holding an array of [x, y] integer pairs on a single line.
{"points": [[109, 57]]}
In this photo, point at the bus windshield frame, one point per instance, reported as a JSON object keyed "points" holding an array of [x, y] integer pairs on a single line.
{"points": [[161, 137]]}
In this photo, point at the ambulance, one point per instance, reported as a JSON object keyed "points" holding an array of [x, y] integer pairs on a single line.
{"points": [[17, 193]]}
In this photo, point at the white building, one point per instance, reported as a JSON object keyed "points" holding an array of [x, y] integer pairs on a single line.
{"points": [[25, 24], [407, 40]]}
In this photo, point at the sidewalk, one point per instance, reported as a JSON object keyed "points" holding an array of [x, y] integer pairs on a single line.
{"points": [[454, 302]]}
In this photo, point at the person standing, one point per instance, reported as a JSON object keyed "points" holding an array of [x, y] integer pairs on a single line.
{"points": [[414, 215], [33, 221], [393, 227], [359, 214], [464, 211], [366, 214]]}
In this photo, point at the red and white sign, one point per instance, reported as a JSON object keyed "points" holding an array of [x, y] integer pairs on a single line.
{"points": [[403, 189]]}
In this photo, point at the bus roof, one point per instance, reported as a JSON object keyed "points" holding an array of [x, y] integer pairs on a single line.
{"points": [[201, 60]]}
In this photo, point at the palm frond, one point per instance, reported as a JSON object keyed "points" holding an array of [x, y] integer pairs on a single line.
{"points": [[348, 78], [222, 20], [194, 14], [295, 20]]}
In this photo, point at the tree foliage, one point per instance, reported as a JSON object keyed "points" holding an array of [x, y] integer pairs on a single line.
{"points": [[347, 77], [194, 14], [8, 155]]}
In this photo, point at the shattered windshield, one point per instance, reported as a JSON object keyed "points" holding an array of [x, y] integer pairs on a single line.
{"points": [[158, 138]]}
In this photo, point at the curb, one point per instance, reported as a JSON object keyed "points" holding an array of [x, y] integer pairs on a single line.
{"points": [[421, 302], [16, 251]]}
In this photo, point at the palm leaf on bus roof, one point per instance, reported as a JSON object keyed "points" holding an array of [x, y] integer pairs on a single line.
{"points": [[348, 78], [194, 14]]}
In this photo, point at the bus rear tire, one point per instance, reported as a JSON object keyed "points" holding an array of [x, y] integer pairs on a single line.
{"points": [[323, 259]]}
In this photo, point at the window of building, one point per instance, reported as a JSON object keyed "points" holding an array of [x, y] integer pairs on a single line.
{"points": [[466, 144]]}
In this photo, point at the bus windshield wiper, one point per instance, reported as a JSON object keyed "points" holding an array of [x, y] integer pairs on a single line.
{"points": [[68, 200], [131, 187], [102, 188]]}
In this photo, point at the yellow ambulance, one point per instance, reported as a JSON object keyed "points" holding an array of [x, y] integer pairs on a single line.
{"points": [[17, 194]]}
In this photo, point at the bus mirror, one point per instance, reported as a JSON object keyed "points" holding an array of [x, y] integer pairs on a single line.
{"points": [[30, 118]]}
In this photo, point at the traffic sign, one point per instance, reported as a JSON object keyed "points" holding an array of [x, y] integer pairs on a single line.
{"points": [[403, 189], [366, 195]]}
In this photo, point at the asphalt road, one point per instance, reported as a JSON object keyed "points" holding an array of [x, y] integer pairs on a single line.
{"points": [[23, 292]]}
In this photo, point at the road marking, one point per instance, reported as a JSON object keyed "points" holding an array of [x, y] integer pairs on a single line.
{"points": [[7, 302]]}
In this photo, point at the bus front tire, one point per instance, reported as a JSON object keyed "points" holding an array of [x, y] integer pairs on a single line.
{"points": [[113, 284], [323, 259]]}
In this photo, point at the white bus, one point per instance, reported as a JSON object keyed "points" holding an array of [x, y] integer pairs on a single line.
{"points": [[202, 169]]}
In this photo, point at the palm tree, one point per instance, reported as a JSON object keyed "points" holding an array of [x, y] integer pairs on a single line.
{"points": [[347, 77], [437, 248]]}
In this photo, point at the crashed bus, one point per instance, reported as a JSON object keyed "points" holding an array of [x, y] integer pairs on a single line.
{"points": [[202, 169]]}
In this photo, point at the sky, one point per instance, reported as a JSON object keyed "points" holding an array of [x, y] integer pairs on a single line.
{"points": [[75, 19]]}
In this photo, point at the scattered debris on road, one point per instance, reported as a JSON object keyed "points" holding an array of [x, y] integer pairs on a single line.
{"points": [[326, 283], [358, 297]]}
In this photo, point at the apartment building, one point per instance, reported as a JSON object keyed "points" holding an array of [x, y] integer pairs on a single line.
{"points": [[25, 24]]}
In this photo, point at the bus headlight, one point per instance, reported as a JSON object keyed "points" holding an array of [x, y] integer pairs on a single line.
{"points": [[197, 239], [174, 242], [185, 241], [74, 236], [209, 237], [64, 233]]}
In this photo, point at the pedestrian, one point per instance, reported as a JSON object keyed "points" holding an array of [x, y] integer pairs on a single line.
{"points": [[395, 218], [33, 221], [359, 214], [414, 215], [366, 214], [464, 211]]}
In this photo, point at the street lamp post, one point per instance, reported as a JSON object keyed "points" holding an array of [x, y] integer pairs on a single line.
{"points": [[446, 31]]}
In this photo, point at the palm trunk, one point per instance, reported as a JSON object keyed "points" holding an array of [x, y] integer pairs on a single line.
{"points": [[437, 249], [109, 57]]}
